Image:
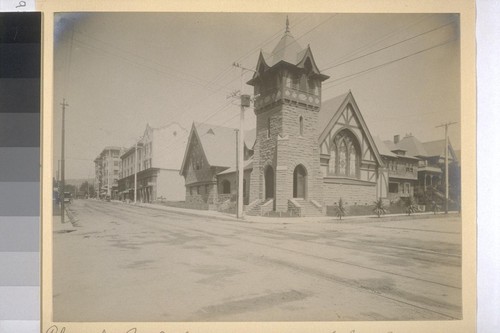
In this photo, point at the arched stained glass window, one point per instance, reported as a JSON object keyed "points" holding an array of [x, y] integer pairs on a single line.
{"points": [[344, 155], [353, 163], [333, 158], [342, 169]]}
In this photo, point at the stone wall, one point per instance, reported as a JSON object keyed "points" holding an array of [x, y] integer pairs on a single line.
{"points": [[350, 193], [203, 194], [264, 150]]}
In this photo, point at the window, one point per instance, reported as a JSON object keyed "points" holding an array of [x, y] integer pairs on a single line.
{"points": [[197, 190], [115, 163], [393, 188], [226, 187], [207, 189], [344, 155], [301, 126], [407, 188], [268, 127]]}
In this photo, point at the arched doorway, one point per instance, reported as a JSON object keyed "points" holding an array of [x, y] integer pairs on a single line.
{"points": [[299, 181], [269, 182]]}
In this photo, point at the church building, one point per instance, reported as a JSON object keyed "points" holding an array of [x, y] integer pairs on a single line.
{"points": [[306, 155]]}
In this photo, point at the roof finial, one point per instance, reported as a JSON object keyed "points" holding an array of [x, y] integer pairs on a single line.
{"points": [[287, 25]]}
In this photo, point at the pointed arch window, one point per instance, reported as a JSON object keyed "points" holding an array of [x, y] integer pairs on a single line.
{"points": [[344, 155], [301, 126]]}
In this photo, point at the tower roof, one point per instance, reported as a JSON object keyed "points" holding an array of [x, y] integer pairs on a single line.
{"points": [[287, 49]]}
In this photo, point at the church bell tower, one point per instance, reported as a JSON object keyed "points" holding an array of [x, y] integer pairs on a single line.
{"points": [[287, 86]]}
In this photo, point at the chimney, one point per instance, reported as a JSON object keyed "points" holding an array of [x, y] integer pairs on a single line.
{"points": [[396, 139]]}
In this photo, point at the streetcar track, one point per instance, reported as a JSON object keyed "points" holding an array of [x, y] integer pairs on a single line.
{"points": [[153, 222], [311, 255]]}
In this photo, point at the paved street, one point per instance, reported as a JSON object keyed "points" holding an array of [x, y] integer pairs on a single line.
{"points": [[129, 263]]}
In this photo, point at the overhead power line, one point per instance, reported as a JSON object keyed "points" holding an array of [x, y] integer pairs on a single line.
{"points": [[385, 64], [381, 39], [388, 46]]}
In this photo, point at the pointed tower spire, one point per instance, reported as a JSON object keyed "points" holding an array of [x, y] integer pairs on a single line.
{"points": [[287, 25]]}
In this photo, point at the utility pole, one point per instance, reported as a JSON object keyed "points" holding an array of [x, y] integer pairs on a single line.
{"points": [[446, 153], [64, 105], [244, 102]]}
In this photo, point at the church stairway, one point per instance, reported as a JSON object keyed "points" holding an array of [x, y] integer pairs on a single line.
{"points": [[256, 209], [308, 208]]}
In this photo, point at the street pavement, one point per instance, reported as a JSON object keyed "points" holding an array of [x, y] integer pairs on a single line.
{"points": [[123, 262]]}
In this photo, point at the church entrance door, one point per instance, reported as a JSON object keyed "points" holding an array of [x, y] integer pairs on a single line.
{"points": [[299, 182], [269, 182]]}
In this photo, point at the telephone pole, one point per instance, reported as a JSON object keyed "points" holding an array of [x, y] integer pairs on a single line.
{"points": [[446, 153], [244, 102], [64, 105]]}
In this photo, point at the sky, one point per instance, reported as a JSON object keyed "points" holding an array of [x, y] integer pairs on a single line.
{"points": [[121, 71]]}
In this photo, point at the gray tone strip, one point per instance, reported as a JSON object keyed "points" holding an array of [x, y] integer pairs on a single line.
{"points": [[19, 233], [19, 164], [19, 326], [20, 95], [19, 199], [23, 60], [20, 268], [19, 129], [23, 303]]}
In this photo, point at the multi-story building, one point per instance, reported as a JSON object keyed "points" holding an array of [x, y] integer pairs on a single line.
{"points": [[154, 163], [430, 168], [107, 171]]}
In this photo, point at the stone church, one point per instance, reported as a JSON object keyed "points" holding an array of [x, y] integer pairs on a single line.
{"points": [[304, 155]]}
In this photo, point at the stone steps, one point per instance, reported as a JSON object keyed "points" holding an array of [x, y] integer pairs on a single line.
{"points": [[256, 210], [308, 208]]}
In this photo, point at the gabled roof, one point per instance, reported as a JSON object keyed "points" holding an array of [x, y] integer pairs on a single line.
{"points": [[383, 148], [247, 165], [328, 108], [390, 145], [330, 112], [218, 144]]}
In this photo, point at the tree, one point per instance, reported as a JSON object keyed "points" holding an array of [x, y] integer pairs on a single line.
{"points": [[341, 211], [379, 208], [87, 188]]}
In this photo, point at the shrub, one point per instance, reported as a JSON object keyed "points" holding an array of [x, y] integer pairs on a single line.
{"points": [[411, 206], [379, 208]]}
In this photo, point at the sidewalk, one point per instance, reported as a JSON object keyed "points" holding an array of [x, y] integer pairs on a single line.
{"points": [[287, 220], [58, 227]]}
